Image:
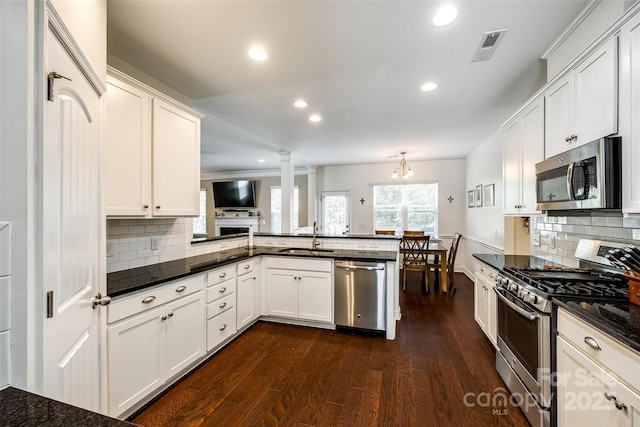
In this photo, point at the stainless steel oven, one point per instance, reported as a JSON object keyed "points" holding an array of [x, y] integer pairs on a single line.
{"points": [[524, 354]]}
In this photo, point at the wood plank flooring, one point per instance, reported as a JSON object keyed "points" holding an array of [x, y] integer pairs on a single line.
{"points": [[294, 376]]}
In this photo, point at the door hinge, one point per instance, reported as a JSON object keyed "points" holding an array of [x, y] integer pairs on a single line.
{"points": [[49, 304], [50, 77]]}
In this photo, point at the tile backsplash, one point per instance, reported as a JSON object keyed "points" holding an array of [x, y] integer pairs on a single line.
{"points": [[559, 235]]}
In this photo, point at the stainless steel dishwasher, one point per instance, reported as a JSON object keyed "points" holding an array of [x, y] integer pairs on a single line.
{"points": [[360, 294]]}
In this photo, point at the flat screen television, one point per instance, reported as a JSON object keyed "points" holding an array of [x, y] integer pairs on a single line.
{"points": [[234, 194]]}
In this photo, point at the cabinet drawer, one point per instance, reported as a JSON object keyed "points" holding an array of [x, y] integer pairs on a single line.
{"points": [[485, 271], [247, 266], [153, 297], [221, 305], [221, 290], [220, 275], [220, 328], [615, 357], [289, 263]]}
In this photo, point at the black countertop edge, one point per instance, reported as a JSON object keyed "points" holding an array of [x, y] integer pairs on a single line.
{"points": [[621, 321], [499, 262], [307, 235], [22, 408], [123, 282]]}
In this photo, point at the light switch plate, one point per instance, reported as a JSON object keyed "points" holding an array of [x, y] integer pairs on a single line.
{"points": [[155, 243], [536, 240]]}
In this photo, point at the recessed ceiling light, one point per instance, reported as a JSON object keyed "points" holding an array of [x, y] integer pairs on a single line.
{"points": [[445, 16], [301, 103], [260, 160], [314, 118], [429, 86], [258, 54]]}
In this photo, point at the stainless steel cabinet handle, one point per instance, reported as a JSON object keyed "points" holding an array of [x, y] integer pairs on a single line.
{"points": [[619, 405], [148, 299], [223, 327], [592, 343], [223, 305], [181, 288], [246, 267], [223, 290], [222, 275]]}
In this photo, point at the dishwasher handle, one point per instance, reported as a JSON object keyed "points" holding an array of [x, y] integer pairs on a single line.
{"points": [[359, 267]]}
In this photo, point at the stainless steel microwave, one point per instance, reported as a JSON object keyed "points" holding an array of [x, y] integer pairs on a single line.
{"points": [[587, 177]]}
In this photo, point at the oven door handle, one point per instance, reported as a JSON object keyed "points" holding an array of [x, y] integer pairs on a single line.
{"points": [[520, 311]]}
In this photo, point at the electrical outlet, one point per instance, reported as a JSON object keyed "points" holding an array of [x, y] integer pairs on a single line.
{"points": [[155, 243], [536, 240], [495, 233]]}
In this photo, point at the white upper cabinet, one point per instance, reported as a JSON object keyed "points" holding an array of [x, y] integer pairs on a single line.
{"points": [[629, 113], [581, 106], [523, 147], [152, 152]]}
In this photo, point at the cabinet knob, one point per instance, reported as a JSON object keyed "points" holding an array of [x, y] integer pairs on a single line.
{"points": [[171, 314], [163, 318], [246, 267], [223, 327], [222, 275], [181, 288], [148, 299], [146, 206], [223, 305], [157, 206], [223, 290]]}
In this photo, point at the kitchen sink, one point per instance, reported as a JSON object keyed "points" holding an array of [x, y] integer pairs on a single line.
{"points": [[305, 251]]}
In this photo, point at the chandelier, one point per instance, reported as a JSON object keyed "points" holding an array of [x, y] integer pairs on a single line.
{"points": [[406, 170]]}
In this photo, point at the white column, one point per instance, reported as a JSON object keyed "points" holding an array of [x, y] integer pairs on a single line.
{"points": [[286, 188], [312, 210]]}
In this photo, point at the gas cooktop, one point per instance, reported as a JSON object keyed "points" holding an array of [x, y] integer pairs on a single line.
{"points": [[553, 281]]}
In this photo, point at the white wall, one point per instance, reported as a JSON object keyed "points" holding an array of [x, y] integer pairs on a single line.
{"points": [[358, 180]]}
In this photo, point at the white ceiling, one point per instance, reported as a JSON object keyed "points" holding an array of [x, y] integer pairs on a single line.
{"points": [[359, 64]]}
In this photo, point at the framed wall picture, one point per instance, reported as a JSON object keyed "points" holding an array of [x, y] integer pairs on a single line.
{"points": [[478, 195], [471, 201], [488, 195]]}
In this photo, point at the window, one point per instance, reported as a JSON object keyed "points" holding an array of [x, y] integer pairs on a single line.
{"points": [[406, 207], [200, 223], [276, 208]]}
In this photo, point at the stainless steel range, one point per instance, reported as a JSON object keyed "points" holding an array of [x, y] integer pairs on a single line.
{"points": [[526, 344]]}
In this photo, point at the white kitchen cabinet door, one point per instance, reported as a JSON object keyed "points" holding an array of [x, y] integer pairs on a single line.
{"points": [[247, 299], [176, 161], [512, 150], [315, 296], [136, 359], [558, 106], [127, 148], [185, 334], [629, 113], [481, 303], [587, 393], [532, 153], [282, 293], [523, 147], [596, 90]]}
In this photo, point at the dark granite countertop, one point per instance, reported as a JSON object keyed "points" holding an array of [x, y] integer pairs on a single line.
{"points": [[123, 282], [499, 262], [618, 319], [21, 408]]}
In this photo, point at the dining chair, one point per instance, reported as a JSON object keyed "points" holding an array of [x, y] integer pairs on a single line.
{"points": [[414, 258], [386, 232], [451, 260]]}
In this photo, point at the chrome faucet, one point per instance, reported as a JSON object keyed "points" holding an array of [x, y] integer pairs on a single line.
{"points": [[314, 241]]}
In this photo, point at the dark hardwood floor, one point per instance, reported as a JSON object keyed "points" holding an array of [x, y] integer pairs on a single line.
{"points": [[294, 376]]}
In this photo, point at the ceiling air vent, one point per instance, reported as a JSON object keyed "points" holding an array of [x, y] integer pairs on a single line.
{"points": [[488, 45]]}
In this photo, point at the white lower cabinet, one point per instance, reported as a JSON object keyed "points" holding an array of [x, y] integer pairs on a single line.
{"points": [[221, 306], [148, 347], [596, 378], [300, 288], [485, 301], [248, 292]]}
